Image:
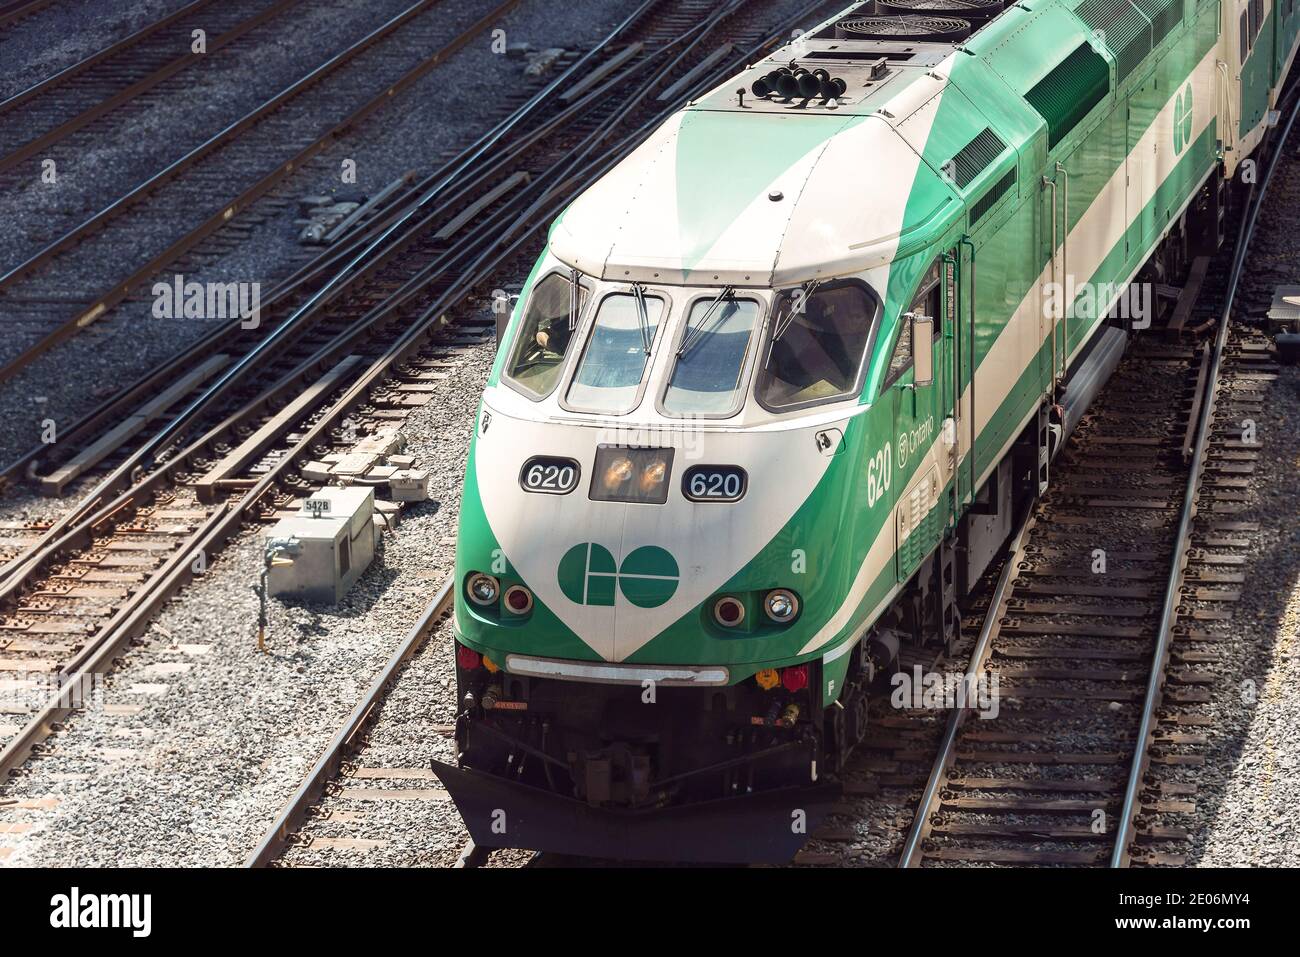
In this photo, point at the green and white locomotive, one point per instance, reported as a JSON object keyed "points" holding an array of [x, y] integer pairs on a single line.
{"points": [[778, 383]]}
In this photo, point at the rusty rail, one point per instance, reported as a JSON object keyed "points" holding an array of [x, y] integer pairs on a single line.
{"points": [[1209, 383], [292, 815], [13, 12], [125, 46]]}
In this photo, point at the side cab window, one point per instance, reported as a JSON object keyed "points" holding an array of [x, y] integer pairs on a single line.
{"points": [[926, 302]]}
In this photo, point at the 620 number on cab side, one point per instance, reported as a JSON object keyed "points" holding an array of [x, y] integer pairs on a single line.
{"points": [[714, 483], [549, 475]]}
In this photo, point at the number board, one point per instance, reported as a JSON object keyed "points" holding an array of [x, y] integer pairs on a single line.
{"points": [[715, 483], [549, 475]]}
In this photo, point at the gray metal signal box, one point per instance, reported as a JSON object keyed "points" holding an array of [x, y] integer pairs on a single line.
{"points": [[325, 547]]}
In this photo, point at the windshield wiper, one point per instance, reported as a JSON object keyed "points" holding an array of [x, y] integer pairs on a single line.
{"points": [[694, 336], [573, 299], [783, 325], [642, 316]]}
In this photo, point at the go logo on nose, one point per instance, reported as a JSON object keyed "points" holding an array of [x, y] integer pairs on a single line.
{"points": [[647, 578]]}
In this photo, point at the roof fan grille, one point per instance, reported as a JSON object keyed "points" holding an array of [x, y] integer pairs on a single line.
{"points": [[964, 9], [918, 27]]}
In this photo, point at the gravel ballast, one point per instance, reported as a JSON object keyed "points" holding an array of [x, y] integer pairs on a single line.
{"points": [[66, 32], [225, 733], [1249, 789]]}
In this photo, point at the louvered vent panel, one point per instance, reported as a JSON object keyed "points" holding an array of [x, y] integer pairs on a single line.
{"points": [[976, 156], [1165, 15], [990, 199], [1125, 30], [1067, 94]]}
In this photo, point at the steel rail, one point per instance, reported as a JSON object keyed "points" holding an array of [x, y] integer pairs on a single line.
{"points": [[410, 341], [133, 618], [913, 850], [1187, 514], [102, 108], [86, 428], [151, 481], [160, 587], [98, 654], [81, 66], [178, 166], [294, 812], [96, 496], [121, 289]]}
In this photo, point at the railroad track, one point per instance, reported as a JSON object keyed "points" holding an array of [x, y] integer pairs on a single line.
{"points": [[91, 582], [49, 113], [344, 742], [360, 348], [199, 193], [679, 40], [308, 310], [11, 13]]}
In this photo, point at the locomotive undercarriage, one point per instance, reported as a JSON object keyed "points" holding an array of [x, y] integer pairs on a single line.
{"points": [[636, 747], [732, 773]]}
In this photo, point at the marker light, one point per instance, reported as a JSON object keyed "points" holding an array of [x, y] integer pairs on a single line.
{"points": [[781, 605], [519, 599], [467, 659], [795, 678], [482, 589], [728, 612], [767, 679]]}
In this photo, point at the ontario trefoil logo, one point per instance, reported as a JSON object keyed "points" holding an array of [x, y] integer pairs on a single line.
{"points": [[1183, 119], [588, 573]]}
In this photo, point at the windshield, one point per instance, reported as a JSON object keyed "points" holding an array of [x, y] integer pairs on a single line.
{"points": [[545, 334], [608, 378], [707, 375], [818, 345]]}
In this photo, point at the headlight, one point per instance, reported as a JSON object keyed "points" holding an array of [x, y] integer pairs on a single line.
{"points": [[631, 475], [781, 605], [652, 477], [617, 474], [482, 589]]}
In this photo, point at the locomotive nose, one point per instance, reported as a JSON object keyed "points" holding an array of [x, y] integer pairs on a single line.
{"points": [[628, 539]]}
